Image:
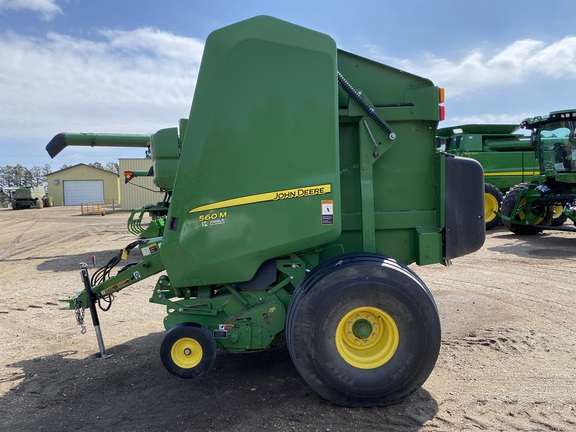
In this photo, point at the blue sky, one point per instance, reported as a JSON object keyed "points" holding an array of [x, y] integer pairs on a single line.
{"points": [[129, 66]]}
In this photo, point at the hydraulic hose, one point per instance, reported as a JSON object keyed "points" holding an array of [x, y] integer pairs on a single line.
{"points": [[364, 106]]}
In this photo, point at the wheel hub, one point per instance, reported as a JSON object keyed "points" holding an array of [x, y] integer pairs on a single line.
{"points": [[186, 353], [362, 328], [367, 337]]}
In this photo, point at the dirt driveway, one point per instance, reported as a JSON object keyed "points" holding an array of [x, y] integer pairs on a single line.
{"points": [[507, 360]]}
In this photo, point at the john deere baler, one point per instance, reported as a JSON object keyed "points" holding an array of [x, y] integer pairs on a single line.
{"points": [[307, 180]]}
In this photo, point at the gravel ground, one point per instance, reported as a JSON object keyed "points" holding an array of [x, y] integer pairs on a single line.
{"points": [[506, 362]]}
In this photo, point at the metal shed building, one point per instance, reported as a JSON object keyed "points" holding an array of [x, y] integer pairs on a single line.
{"points": [[83, 184], [140, 190]]}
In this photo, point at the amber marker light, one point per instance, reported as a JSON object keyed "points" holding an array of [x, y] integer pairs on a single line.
{"points": [[442, 112]]}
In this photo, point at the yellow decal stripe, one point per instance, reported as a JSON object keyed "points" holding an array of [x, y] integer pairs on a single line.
{"points": [[511, 173], [268, 196]]}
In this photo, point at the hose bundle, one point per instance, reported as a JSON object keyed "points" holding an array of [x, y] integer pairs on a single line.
{"points": [[103, 273]]}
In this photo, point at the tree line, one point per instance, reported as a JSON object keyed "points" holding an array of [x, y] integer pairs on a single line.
{"points": [[20, 176]]}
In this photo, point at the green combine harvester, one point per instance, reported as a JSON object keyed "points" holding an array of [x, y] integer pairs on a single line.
{"points": [[307, 180], [26, 197]]}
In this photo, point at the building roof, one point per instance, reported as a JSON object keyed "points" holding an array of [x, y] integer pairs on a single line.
{"points": [[85, 165]]}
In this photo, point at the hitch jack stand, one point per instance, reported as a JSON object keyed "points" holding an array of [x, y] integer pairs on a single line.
{"points": [[93, 311]]}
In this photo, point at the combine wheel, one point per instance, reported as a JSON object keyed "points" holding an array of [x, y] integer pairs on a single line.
{"points": [[558, 218], [537, 215], [48, 201], [363, 330], [492, 202], [39, 204], [188, 350]]}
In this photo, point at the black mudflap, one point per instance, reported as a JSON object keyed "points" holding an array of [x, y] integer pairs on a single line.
{"points": [[465, 224]]}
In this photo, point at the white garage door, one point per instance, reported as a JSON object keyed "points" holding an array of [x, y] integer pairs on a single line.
{"points": [[77, 192]]}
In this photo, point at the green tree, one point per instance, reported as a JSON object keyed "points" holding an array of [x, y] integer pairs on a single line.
{"points": [[112, 167]]}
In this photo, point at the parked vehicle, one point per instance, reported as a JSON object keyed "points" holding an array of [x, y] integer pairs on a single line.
{"points": [[29, 197]]}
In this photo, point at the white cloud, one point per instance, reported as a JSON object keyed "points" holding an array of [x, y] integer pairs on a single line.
{"points": [[557, 60], [129, 82], [46, 8], [478, 69]]}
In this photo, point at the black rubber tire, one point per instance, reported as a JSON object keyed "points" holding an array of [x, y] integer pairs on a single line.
{"points": [[39, 203], [508, 206], [188, 336], [492, 202], [48, 201], [346, 284], [558, 221]]}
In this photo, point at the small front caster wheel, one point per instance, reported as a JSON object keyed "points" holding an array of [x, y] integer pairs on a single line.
{"points": [[188, 350]]}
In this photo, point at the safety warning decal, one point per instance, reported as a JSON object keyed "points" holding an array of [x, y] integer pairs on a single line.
{"points": [[328, 212], [150, 249]]}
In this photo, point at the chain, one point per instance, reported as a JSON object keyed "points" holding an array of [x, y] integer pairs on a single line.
{"points": [[80, 316]]}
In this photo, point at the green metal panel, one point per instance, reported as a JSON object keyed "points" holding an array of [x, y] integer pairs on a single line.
{"points": [[391, 189], [506, 169], [260, 154], [504, 144], [165, 151]]}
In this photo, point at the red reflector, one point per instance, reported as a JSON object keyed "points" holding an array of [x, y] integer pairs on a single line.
{"points": [[442, 112]]}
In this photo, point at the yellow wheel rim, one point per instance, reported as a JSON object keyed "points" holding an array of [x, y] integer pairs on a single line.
{"points": [[490, 205], [367, 337], [522, 213], [186, 353], [558, 210]]}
